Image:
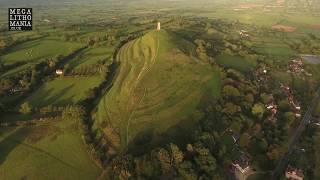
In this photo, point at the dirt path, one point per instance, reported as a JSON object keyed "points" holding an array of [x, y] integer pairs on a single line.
{"points": [[144, 71], [153, 60], [131, 114]]}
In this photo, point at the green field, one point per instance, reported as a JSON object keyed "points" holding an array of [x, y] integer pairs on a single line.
{"points": [[236, 62], [63, 90], [47, 151], [91, 56], [19, 35], [159, 85], [33, 51], [274, 48], [256, 16], [16, 70]]}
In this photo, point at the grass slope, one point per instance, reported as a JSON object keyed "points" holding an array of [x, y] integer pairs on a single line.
{"points": [[63, 90], [48, 151], [158, 86]]}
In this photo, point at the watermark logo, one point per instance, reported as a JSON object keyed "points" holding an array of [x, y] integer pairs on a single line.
{"points": [[20, 19]]}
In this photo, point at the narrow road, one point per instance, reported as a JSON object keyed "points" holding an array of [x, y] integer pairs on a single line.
{"points": [[296, 135]]}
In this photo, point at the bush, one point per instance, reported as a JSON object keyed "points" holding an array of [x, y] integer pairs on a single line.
{"points": [[25, 108]]}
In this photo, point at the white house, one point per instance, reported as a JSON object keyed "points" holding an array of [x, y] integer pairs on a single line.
{"points": [[59, 72]]}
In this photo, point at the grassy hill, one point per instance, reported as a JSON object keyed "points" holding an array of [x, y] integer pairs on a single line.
{"points": [[157, 89]]}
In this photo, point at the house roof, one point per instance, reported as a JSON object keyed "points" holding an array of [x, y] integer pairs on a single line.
{"points": [[295, 171], [243, 161]]}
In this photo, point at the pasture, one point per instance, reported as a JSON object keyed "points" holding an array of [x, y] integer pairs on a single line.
{"points": [[52, 150], [236, 62], [33, 51], [91, 56], [274, 49], [63, 91], [257, 16]]}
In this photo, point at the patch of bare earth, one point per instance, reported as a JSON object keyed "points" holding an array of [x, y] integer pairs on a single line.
{"points": [[280, 2], [316, 27], [284, 28]]}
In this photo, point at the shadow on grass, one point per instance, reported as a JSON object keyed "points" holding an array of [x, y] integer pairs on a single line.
{"points": [[50, 98], [17, 138], [179, 134], [8, 144]]}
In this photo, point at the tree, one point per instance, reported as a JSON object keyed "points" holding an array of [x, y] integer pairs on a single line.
{"points": [[165, 160], [25, 108], [201, 49], [244, 140], [258, 146], [186, 171], [2, 108], [230, 91], [90, 42], [231, 109], [258, 110], [284, 105], [289, 118], [3, 44], [316, 142], [317, 111], [176, 154], [265, 98], [204, 160], [6, 85], [66, 68], [275, 153], [248, 101]]}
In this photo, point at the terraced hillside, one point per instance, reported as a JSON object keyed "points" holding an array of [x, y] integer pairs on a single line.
{"points": [[157, 89]]}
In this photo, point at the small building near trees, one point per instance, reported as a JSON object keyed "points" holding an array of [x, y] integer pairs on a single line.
{"points": [[294, 173], [59, 72]]}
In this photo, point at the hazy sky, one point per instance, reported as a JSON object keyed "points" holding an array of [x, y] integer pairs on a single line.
{"points": [[6, 3]]}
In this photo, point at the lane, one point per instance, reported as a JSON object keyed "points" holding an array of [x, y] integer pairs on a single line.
{"points": [[296, 135]]}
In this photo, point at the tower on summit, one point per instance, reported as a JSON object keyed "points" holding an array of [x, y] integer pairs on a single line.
{"points": [[158, 26]]}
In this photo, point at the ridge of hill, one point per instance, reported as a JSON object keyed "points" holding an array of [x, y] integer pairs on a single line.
{"points": [[159, 85]]}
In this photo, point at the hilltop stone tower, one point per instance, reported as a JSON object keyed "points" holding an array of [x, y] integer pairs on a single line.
{"points": [[158, 26]]}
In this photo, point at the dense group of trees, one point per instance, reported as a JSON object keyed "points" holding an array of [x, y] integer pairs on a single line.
{"points": [[170, 162]]}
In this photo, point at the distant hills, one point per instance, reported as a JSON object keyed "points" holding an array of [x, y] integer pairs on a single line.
{"points": [[306, 4]]}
